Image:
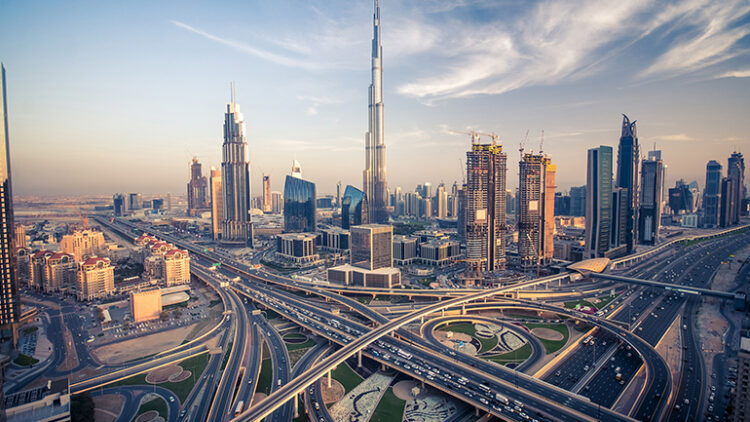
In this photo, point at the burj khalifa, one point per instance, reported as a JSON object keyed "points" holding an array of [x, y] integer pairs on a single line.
{"points": [[375, 184]]}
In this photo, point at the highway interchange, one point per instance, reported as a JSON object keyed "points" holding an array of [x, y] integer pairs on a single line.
{"points": [[575, 394]]}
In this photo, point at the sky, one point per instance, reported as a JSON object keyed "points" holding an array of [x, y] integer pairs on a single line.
{"points": [[106, 97]]}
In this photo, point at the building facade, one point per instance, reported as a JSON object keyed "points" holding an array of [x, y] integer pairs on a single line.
{"points": [[405, 249], [10, 302], [266, 201], [649, 219], [217, 203], [736, 176], [119, 205], [299, 205], [375, 184], [197, 189], [299, 247], [96, 278], [372, 246], [578, 201], [628, 155], [236, 227], [536, 215], [598, 201], [485, 207], [145, 305], [83, 243], [354, 208], [176, 267], [712, 194]]}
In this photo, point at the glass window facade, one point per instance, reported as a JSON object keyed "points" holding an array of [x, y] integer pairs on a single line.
{"points": [[354, 210], [299, 205]]}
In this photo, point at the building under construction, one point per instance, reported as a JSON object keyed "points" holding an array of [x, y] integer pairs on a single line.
{"points": [[485, 207], [536, 210]]}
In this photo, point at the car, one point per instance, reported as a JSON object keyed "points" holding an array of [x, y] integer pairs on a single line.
{"points": [[171, 399]]}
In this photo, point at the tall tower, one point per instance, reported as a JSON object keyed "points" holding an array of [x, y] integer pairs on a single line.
{"points": [[628, 154], [652, 180], [375, 184], [236, 227], [712, 194], [598, 201], [536, 204], [736, 176], [10, 303], [217, 203], [266, 194], [197, 189], [485, 207]]}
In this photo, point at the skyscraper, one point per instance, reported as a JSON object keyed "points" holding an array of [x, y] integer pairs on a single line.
{"points": [[299, 203], [236, 228], [441, 202], [649, 220], [578, 200], [598, 201], [217, 203], [736, 176], [628, 154], [10, 303], [354, 208], [135, 201], [536, 219], [375, 184], [485, 207], [712, 194], [266, 194], [197, 189]]}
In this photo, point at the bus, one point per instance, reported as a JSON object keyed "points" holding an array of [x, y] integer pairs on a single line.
{"points": [[239, 407], [405, 355]]}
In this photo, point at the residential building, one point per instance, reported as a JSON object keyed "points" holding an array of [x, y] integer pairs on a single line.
{"points": [[277, 202], [20, 236], [83, 243], [598, 201], [681, 198], [23, 266], [441, 202], [176, 269], [96, 278], [61, 271], [439, 252], [485, 207]]}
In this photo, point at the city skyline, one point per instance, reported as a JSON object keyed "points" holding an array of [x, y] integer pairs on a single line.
{"points": [[315, 82]]}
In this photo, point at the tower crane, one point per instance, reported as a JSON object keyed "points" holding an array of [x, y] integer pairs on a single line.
{"points": [[474, 134], [541, 144], [492, 136], [523, 143]]}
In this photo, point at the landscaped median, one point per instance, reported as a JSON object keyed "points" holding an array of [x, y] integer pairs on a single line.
{"points": [[552, 336], [152, 409], [179, 377]]}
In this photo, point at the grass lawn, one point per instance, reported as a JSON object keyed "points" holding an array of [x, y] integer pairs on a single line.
{"points": [[487, 343], [29, 330], [296, 355], [157, 404], [25, 360], [264, 380], [214, 302], [390, 408], [271, 314], [348, 378], [195, 364], [297, 346], [365, 299], [572, 304], [605, 300], [461, 327], [520, 315], [552, 346], [227, 352], [518, 355]]}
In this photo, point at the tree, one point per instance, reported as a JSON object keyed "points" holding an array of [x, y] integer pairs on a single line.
{"points": [[82, 408]]}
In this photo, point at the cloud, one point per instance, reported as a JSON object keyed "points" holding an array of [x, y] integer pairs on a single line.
{"points": [[254, 51], [735, 74], [679, 137]]}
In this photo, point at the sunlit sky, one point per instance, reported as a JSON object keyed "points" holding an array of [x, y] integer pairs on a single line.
{"points": [[119, 96]]}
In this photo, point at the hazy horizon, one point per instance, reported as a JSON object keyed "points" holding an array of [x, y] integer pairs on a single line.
{"points": [[106, 98]]}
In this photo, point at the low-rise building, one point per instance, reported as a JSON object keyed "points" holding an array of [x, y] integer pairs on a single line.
{"points": [[299, 247], [405, 249], [83, 243], [386, 277], [439, 252], [49, 403], [335, 239], [23, 266], [145, 305], [96, 278], [61, 272], [176, 269]]}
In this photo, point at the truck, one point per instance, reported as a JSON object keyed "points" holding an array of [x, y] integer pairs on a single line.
{"points": [[239, 408], [501, 398]]}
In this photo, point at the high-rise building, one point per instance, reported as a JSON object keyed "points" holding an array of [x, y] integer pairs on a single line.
{"points": [[441, 202], [119, 204], [354, 208], [461, 213], [83, 243], [217, 203], [536, 201], [197, 189], [736, 175], [236, 228], [681, 198], [375, 183], [135, 201], [649, 220], [578, 201], [176, 269], [742, 394], [338, 194], [23, 266], [372, 246], [60, 271], [267, 194], [598, 201], [712, 194], [299, 203], [628, 155], [20, 234], [10, 303], [453, 201], [485, 207], [277, 202], [618, 222], [96, 278]]}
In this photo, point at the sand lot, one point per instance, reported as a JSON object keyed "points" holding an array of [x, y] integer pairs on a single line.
{"points": [[117, 353], [547, 334]]}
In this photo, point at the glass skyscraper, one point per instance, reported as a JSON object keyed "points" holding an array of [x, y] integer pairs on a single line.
{"points": [[598, 201], [628, 155], [236, 228], [299, 205], [649, 220], [10, 303], [712, 194], [372, 246], [354, 208]]}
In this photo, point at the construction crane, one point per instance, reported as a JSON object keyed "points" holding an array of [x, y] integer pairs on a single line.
{"points": [[541, 144], [463, 174], [492, 136], [84, 218], [523, 143], [474, 134]]}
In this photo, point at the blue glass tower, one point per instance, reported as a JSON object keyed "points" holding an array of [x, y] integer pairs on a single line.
{"points": [[354, 208], [299, 205]]}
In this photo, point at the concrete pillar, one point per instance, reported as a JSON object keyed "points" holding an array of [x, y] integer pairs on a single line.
{"points": [[382, 367], [442, 312], [359, 359], [463, 309], [296, 406], [329, 378], [421, 320], [476, 411]]}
